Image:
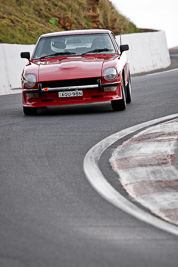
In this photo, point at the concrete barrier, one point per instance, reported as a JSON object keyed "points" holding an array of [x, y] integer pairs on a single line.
{"points": [[148, 51], [11, 66]]}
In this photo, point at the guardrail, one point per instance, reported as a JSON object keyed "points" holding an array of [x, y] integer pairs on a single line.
{"points": [[148, 51]]}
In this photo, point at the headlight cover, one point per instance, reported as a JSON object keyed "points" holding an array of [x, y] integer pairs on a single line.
{"points": [[30, 80], [110, 74]]}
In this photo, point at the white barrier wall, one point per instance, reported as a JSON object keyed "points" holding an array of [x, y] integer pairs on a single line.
{"points": [[148, 51], [11, 66]]}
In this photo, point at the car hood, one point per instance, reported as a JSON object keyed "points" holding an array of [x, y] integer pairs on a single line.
{"points": [[70, 68]]}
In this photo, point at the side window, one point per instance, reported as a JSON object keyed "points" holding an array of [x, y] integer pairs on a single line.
{"points": [[39, 48]]}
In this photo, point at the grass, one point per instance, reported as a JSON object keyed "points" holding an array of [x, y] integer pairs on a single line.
{"points": [[23, 21]]}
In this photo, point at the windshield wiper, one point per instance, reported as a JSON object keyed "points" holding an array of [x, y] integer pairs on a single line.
{"points": [[58, 54], [98, 50]]}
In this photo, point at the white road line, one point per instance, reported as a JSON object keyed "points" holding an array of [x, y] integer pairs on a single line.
{"points": [[161, 72], [163, 126], [101, 185]]}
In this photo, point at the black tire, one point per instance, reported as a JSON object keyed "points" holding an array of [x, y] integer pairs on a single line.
{"points": [[129, 91], [119, 105], [29, 111]]}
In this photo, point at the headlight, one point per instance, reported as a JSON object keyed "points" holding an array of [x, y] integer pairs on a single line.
{"points": [[110, 74], [30, 80]]}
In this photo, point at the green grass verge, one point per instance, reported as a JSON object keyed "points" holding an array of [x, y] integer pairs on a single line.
{"points": [[23, 21]]}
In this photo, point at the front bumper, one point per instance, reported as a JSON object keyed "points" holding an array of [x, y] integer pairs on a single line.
{"points": [[70, 88], [91, 94]]}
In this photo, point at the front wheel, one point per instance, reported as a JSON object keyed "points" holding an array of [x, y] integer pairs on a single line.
{"points": [[29, 111], [118, 105]]}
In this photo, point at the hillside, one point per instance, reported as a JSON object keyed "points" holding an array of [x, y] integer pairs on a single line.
{"points": [[23, 21]]}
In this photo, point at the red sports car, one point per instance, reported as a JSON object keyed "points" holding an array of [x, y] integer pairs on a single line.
{"points": [[76, 67]]}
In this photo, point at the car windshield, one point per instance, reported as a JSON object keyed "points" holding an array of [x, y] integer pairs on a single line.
{"points": [[78, 44]]}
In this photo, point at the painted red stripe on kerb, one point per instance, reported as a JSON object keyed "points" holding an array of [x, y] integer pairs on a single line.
{"points": [[145, 165], [169, 122], [170, 215], [150, 187], [152, 137], [130, 162]]}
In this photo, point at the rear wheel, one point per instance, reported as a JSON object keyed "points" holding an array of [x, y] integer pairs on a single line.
{"points": [[29, 111], [118, 105]]}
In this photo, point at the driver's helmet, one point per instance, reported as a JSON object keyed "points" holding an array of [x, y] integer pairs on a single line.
{"points": [[58, 45]]}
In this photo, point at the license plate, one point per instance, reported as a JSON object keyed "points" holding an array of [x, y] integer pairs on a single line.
{"points": [[71, 94]]}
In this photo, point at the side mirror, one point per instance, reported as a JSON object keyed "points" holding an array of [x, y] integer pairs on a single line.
{"points": [[25, 55], [124, 48]]}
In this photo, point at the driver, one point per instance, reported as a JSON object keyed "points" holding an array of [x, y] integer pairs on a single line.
{"points": [[58, 45]]}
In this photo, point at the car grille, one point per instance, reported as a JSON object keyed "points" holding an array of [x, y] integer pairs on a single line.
{"points": [[65, 83]]}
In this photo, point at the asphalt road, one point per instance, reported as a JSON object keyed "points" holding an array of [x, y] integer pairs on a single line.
{"points": [[49, 213]]}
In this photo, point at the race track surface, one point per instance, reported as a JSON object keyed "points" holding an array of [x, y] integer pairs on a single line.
{"points": [[50, 215]]}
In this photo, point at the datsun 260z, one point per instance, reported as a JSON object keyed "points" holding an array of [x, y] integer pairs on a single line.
{"points": [[76, 67]]}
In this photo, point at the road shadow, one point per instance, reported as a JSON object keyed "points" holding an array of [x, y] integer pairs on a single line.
{"points": [[96, 108]]}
